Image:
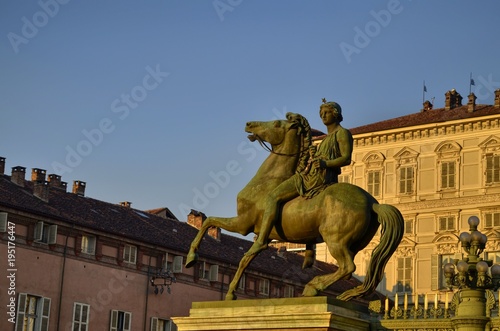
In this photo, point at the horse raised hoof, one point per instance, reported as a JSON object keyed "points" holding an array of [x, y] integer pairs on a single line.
{"points": [[191, 260], [310, 291]]}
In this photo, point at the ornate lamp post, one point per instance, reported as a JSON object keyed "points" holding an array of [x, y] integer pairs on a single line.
{"points": [[472, 280]]}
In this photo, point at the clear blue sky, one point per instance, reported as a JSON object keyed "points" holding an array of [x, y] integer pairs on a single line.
{"points": [[147, 101]]}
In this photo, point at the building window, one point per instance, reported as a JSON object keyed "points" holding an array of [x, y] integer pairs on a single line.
{"points": [[32, 313], [80, 317], [404, 271], [446, 223], [491, 220], [344, 179], [492, 169], [493, 256], [88, 244], [130, 254], [406, 176], [408, 227], [159, 324], [438, 281], [289, 291], [45, 233], [264, 287], [242, 282], [374, 183], [448, 174], [120, 321], [202, 270]]}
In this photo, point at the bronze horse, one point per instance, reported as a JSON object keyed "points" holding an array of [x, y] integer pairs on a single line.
{"points": [[344, 216]]}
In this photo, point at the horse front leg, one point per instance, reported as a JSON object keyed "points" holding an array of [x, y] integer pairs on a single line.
{"points": [[244, 262], [230, 224]]}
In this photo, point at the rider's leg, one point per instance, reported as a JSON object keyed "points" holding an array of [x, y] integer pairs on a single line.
{"points": [[284, 192]]}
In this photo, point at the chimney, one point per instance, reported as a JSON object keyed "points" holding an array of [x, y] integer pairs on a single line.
{"points": [[427, 106], [38, 175], [196, 219], [471, 104], [18, 175], [79, 187], [453, 99], [2, 165], [497, 98], [55, 182], [41, 190], [126, 204]]}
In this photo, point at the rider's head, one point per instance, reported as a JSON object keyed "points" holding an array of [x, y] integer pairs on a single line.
{"points": [[337, 110]]}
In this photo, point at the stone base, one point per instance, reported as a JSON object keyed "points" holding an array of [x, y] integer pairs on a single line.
{"points": [[305, 313]]}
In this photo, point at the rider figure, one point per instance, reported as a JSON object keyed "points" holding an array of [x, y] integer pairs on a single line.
{"points": [[332, 153]]}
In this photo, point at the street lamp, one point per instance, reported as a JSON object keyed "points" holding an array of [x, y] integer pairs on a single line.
{"points": [[161, 280], [473, 278]]}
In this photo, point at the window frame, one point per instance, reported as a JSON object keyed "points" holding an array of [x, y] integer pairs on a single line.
{"points": [[264, 286], [128, 257], [87, 242], [404, 284], [83, 324], [119, 315], [40, 316]]}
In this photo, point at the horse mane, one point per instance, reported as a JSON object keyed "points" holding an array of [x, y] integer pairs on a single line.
{"points": [[304, 129]]}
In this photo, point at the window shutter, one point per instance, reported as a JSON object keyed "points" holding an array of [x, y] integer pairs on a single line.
{"points": [[113, 321], [165, 262], [45, 314], [214, 273], [177, 267], [38, 231], [21, 306], [435, 266], [52, 234], [128, 320], [3, 222], [154, 324]]}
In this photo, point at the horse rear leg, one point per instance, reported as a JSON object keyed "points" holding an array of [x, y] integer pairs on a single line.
{"points": [[244, 262], [346, 267], [230, 224]]}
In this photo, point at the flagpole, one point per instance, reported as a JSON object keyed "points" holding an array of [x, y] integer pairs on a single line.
{"points": [[423, 93], [470, 83]]}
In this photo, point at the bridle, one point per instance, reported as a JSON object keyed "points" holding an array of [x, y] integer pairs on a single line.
{"points": [[262, 142]]}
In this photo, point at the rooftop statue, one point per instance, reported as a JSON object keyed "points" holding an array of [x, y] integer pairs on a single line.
{"points": [[295, 197]]}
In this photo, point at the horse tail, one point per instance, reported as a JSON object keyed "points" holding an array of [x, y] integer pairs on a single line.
{"points": [[392, 232]]}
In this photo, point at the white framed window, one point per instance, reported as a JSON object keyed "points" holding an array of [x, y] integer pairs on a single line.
{"points": [[492, 169], [161, 324], [264, 286], [81, 312], [404, 271], [289, 291], [202, 270], [3, 221], [177, 264], [374, 183], [166, 264], [120, 321], [45, 233], [88, 244], [33, 313], [130, 254], [491, 220], [242, 282], [406, 180], [446, 223]]}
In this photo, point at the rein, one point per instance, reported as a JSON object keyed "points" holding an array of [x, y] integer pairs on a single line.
{"points": [[270, 150]]}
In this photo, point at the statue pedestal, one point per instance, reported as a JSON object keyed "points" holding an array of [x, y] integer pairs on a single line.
{"points": [[304, 313]]}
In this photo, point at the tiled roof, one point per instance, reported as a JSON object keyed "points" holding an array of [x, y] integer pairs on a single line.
{"points": [[431, 116], [137, 225]]}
